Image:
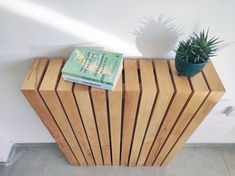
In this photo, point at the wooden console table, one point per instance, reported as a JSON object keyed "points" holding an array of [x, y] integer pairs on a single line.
{"points": [[144, 122]]}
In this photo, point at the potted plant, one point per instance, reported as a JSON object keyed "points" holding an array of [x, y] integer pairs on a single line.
{"points": [[193, 54]]}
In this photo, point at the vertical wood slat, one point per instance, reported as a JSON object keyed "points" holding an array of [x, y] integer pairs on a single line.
{"points": [[82, 97], [177, 112], [65, 92], [182, 93], [165, 92], [115, 115], [149, 91], [47, 91], [30, 91], [216, 92], [200, 92], [132, 93], [101, 115]]}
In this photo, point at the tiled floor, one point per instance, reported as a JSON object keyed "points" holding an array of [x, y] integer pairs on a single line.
{"points": [[47, 160]]}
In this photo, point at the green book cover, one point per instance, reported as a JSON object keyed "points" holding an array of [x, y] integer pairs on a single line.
{"points": [[94, 65]]}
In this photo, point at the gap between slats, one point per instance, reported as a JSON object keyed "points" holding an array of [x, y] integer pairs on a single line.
{"points": [[109, 126], [169, 105], [69, 119], [216, 92], [180, 113], [191, 117], [185, 129], [83, 124], [137, 111], [122, 116], [122, 113], [65, 115], [66, 95], [151, 113], [93, 111], [185, 106], [50, 110]]}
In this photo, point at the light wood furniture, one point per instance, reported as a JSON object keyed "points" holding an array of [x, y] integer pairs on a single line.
{"points": [[144, 122]]}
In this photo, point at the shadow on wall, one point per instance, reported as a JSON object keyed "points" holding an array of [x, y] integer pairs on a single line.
{"points": [[156, 38]]}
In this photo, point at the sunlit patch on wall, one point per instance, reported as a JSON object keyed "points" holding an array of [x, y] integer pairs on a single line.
{"points": [[71, 26]]}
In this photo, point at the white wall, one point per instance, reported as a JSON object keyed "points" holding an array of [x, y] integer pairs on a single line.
{"points": [[52, 28]]}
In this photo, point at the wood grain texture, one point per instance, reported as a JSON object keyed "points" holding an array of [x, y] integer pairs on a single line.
{"points": [[30, 91], [216, 92], [132, 93], [144, 121], [47, 91], [165, 92], [149, 92], [200, 92], [65, 92], [182, 93], [101, 115], [115, 115], [84, 103]]}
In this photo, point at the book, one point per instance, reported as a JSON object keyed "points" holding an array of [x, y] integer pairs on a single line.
{"points": [[93, 67]]}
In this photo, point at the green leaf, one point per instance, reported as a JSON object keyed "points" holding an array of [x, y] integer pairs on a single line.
{"points": [[198, 48]]}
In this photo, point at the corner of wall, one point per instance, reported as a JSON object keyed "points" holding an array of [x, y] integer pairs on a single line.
{"points": [[5, 148]]}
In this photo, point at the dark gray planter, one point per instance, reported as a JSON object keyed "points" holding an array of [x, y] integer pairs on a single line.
{"points": [[188, 69]]}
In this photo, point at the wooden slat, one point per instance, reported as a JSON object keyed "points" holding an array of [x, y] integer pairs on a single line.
{"points": [[149, 91], [115, 115], [200, 93], [66, 96], [212, 79], [30, 91], [47, 91], [101, 115], [182, 93], [216, 92], [35, 75], [157, 114], [132, 92], [82, 97], [165, 92]]}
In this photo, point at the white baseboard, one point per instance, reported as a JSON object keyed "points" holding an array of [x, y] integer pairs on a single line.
{"points": [[5, 148]]}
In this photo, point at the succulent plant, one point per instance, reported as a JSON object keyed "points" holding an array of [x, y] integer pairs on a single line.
{"points": [[197, 49]]}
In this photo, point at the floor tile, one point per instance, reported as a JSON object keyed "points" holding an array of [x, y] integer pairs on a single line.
{"points": [[47, 160], [229, 157], [40, 161], [122, 171], [4, 170], [1, 167], [196, 161]]}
